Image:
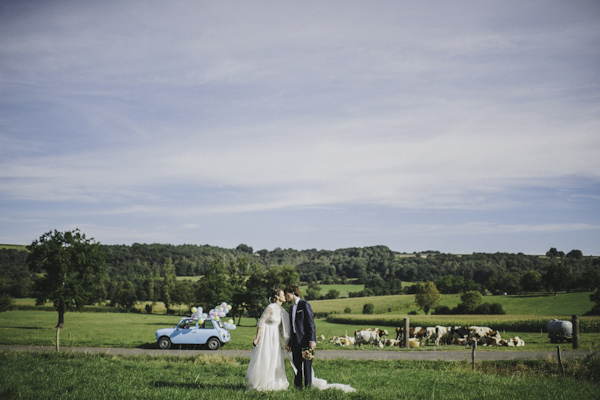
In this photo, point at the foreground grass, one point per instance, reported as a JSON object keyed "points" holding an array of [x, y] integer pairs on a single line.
{"points": [[77, 376]]}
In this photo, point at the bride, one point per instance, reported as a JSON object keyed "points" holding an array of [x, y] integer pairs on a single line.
{"points": [[266, 370], [267, 366]]}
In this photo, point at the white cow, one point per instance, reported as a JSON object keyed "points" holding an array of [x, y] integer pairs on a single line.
{"points": [[368, 336], [430, 334], [440, 332]]}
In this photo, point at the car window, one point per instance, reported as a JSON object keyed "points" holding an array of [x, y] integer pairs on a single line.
{"points": [[187, 324], [208, 324]]}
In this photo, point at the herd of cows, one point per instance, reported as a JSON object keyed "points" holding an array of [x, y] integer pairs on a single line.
{"points": [[418, 336]]}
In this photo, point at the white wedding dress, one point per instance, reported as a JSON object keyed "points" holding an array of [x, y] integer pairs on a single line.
{"points": [[267, 364], [266, 370]]}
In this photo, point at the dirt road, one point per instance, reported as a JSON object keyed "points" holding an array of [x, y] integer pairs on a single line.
{"points": [[431, 355]]}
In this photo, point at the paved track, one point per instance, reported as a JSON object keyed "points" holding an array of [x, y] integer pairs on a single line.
{"points": [[431, 355]]}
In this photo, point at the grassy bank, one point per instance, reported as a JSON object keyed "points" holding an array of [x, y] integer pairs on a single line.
{"points": [[77, 376]]}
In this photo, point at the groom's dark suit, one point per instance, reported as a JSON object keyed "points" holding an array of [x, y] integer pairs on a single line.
{"points": [[303, 332]]}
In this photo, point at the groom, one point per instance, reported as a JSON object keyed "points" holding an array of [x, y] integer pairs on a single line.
{"points": [[303, 335]]}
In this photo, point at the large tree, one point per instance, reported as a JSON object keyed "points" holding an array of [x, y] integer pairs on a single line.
{"points": [[427, 296], [71, 267], [215, 287], [168, 284], [557, 277]]}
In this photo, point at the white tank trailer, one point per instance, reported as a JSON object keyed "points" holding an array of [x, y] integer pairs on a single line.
{"points": [[560, 331]]}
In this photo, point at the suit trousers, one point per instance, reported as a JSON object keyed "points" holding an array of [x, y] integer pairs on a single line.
{"points": [[303, 367]]}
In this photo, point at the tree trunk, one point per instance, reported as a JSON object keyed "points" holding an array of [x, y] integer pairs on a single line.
{"points": [[61, 315]]}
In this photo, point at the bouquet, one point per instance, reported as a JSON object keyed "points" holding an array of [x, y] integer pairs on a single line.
{"points": [[308, 353]]}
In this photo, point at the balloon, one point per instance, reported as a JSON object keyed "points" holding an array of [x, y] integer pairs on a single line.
{"points": [[230, 321], [204, 316], [224, 304], [211, 312], [194, 310], [228, 307], [200, 321]]}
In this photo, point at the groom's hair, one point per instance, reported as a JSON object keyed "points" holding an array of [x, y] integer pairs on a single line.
{"points": [[293, 289]]}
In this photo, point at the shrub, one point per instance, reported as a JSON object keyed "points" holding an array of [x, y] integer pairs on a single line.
{"points": [[496, 308], [484, 308], [347, 310], [442, 310], [368, 308]]}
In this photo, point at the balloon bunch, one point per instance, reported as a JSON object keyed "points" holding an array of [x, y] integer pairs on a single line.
{"points": [[198, 314], [220, 311]]}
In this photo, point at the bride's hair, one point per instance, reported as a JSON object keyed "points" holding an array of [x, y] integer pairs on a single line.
{"points": [[273, 293]]}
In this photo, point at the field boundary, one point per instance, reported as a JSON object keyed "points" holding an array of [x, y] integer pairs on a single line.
{"points": [[408, 355]]}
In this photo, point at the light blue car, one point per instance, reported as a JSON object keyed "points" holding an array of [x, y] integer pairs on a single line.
{"points": [[188, 331]]}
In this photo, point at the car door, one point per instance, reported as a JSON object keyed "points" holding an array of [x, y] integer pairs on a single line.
{"points": [[205, 331], [185, 334]]}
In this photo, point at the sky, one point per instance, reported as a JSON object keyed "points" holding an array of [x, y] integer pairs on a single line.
{"points": [[461, 127]]}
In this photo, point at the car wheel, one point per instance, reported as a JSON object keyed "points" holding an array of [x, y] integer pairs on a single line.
{"points": [[164, 343], [213, 344]]}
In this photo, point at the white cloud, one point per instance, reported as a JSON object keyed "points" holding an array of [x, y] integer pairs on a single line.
{"points": [[214, 108]]}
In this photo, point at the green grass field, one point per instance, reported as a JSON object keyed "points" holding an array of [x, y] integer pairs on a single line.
{"points": [[87, 376], [74, 376], [343, 289], [13, 246], [137, 331], [543, 304]]}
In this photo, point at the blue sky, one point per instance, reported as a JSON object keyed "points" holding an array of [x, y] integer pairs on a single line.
{"points": [[465, 126]]}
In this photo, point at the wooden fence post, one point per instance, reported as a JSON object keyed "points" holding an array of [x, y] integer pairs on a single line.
{"points": [[473, 354], [560, 364], [406, 333], [575, 319], [57, 339]]}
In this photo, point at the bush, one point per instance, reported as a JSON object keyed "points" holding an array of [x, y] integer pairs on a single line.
{"points": [[442, 310], [483, 308], [347, 310], [6, 302], [368, 308], [496, 308]]}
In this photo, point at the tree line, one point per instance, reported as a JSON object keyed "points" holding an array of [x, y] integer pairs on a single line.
{"points": [[241, 276]]}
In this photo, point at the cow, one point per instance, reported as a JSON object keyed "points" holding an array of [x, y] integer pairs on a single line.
{"points": [[392, 342], [441, 332], [345, 341], [430, 334], [478, 331], [342, 340], [369, 336]]}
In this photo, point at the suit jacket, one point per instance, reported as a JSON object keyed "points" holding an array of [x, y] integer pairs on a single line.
{"points": [[305, 324]]}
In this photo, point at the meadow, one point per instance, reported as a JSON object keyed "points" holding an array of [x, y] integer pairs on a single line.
{"points": [[101, 376], [69, 375], [539, 304]]}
